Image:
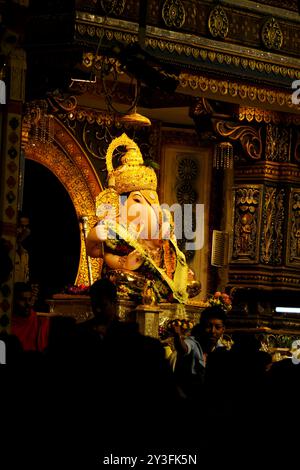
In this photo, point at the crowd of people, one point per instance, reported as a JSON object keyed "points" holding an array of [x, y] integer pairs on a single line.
{"points": [[100, 385], [103, 377]]}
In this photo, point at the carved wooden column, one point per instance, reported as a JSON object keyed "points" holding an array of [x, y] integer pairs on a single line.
{"points": [[266, 227], [207, 114]]}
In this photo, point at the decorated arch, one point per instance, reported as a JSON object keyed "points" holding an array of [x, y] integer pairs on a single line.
{"points": [[68, 162]]}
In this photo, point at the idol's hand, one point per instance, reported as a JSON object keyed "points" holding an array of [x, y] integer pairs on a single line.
{"points": [[133, 261], [130, 262], [101, 232]]}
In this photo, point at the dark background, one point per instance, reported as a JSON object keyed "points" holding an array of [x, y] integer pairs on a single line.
{"points": [[54, 243]]}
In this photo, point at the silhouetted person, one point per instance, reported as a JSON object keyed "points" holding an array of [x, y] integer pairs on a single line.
{"points": [[31, 330], [135, 375], [193, 351]]}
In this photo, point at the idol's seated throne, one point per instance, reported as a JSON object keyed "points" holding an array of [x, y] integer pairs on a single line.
{"points": [[135, 236]]}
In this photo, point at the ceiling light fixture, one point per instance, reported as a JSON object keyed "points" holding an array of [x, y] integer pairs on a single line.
{"points": [[134, 117]]}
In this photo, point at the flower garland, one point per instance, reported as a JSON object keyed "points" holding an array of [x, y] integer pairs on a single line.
{"points": [[179, 282]]}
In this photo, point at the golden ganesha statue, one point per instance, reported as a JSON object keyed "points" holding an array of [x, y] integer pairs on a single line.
{"points": [[134, 235]]}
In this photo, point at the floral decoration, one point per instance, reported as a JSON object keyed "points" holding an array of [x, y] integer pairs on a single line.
{"points": [[220, 299], [77, 290], [166, 330]]}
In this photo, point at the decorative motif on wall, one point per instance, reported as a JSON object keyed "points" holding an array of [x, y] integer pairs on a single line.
{"points": [[38, 122], [187, 171], [249, 137], [268, 171], [202, 108], [95, 130], [272, 226], [297, 147], [245, 27], [238, 91], [173, 13], [186, 194], [255, 277], [159, 40], [277, 143], [246, 224], [113, 6], [218, 23], [287, 4], [258, 115], [293, 241], [271, 34]]}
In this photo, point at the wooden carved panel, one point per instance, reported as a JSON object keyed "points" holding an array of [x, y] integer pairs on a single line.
{"points": [[246, 233], [277, 143], [272, 226], [293, 240]]}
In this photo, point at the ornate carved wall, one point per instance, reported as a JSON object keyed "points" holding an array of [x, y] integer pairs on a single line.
{"points": [[266, 214], [67, 161], [186, 179]]}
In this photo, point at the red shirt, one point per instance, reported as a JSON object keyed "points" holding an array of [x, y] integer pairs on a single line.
{"points": [[32, 331]]}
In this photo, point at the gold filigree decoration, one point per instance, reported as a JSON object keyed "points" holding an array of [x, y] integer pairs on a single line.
{"points": [[272, 223], [113, 6], [297, 147], [293, 242], [110, 34], [79, 191], [61, 103], [235, 90], [249, 137], [271, 34], [107, 204], [288, 173], [173, 13], [246, 224], [277, 143], [258, 115], [92, 116], [218, 23], [236, 59], [201, 108], [98, 62], [250, 278]]}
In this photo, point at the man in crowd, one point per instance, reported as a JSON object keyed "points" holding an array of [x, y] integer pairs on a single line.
{"points": [[31, 330], [193, 351]]}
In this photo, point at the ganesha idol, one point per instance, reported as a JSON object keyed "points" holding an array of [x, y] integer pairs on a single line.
{"points": [[135, 236]]}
